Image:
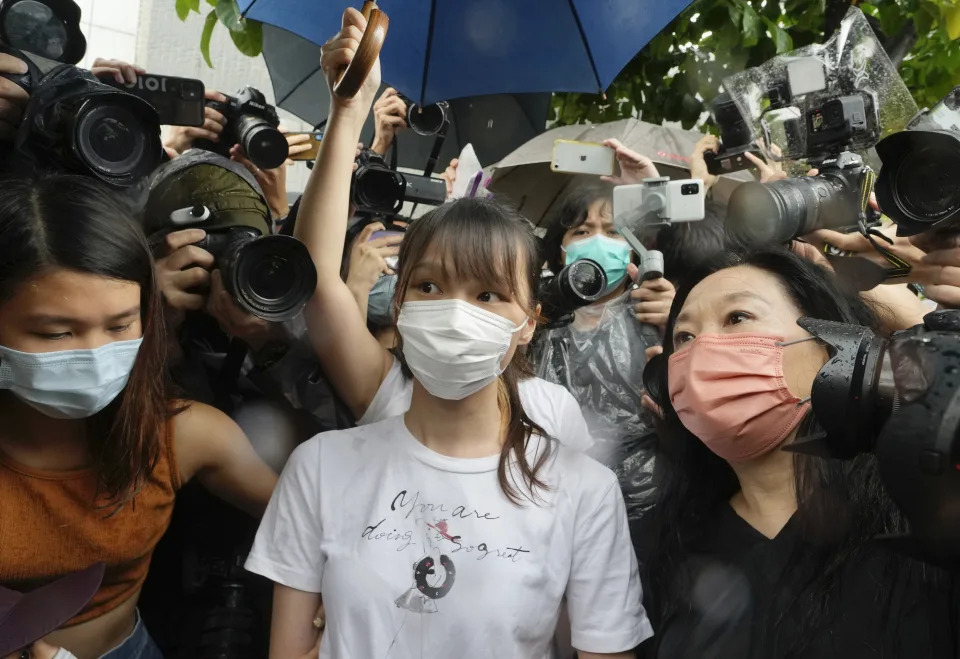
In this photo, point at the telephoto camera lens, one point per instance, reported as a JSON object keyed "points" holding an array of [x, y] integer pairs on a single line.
{"points": [[113, 141], [774, 213], [576, 285], [271, 277], [264, 145], [919, 184]]}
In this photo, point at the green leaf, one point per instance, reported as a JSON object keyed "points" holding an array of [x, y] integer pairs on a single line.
{"points": [[183, 9], [951, 19], [213, 3], [751, 26], [781, 38], [736, 13], [229, 14], [208, 26], [783, 41], [249, 40]]}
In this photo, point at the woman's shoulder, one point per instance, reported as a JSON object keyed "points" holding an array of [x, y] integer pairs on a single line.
{"points": [[193, 421], [198, 433], [538, 393], [571, 470]]}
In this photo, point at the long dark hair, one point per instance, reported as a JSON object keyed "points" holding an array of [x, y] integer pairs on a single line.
{"points": [[489, 241], [571, 212], [841, 506], [73, 222]]}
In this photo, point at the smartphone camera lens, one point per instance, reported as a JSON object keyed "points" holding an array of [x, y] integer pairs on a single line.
{"points": [[688, 189], [191, 92]]}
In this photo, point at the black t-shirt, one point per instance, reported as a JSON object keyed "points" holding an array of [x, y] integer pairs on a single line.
{"points": [[735, 606]]}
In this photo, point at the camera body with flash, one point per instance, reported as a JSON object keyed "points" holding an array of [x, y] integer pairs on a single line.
{"points": [[253, 124]]}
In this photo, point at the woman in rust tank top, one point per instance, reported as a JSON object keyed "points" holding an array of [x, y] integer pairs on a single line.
{"points": [[93, 446]]}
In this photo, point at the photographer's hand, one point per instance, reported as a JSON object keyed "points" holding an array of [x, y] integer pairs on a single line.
{"points": [[184, 269], [181, 138], [944, 280], [769, 171], [652, 300], [857, 244], [234, 321], [449, 175], [698, 164], [390, 115], [13, 98], [633, 166], [368, 260], [273, 182], [120, 71]]}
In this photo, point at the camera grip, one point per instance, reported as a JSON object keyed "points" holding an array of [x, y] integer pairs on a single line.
{"points": [[351, 79]]}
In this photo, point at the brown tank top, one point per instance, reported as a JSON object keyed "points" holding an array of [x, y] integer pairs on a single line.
{"points": [[50, 526]]}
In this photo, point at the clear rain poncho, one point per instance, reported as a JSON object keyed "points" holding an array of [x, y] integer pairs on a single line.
{"points": [[599, 358], [851, 63]]}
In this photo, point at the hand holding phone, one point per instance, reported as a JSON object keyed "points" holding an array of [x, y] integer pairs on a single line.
{"points": [[583, 158], [313, 139]]}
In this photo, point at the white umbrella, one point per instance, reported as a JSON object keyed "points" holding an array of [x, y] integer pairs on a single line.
{"points": [[525, 175]]}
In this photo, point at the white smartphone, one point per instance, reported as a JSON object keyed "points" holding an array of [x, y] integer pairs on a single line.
{"points": [[583, 158], [666, 201]]}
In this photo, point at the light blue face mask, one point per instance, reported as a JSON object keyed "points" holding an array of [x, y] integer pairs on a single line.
{"points": [[380, 301], [69, 384], [612, 255]]}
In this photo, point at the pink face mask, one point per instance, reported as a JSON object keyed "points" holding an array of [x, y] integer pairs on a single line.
{"points": [[728, 390]]}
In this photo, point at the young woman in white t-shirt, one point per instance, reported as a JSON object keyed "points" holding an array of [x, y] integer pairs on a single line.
{"points": [[364, 374], [460, 528]]}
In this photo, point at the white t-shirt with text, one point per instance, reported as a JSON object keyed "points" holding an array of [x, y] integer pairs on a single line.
{"points": [[549, 405], [418, 554]]}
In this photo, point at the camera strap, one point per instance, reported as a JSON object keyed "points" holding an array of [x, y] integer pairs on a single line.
{"points": [[900, 267], [437, 147]]}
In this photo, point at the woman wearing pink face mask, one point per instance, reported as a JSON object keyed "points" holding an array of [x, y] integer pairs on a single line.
{"points": [[753, 551]]}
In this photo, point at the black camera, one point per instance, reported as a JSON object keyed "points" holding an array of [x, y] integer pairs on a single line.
{"points": [[919, 184], [73, 120], [578, 284], [252, 123], [899, 399], [271, 277], [377, 189], [775, 213], [737, 138]]}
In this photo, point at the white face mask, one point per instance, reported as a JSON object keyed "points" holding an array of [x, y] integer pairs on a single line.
{"points": [[454, 348], [63, 654], [69, 384]]}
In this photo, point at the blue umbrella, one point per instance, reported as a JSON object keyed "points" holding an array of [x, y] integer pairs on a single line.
{"points": [[440, 50]]}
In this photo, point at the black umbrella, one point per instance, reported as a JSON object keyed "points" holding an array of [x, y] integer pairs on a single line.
{"points": [[495, 125]]}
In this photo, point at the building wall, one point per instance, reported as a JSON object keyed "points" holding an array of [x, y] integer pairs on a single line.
{"points": [[110, 27]]}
